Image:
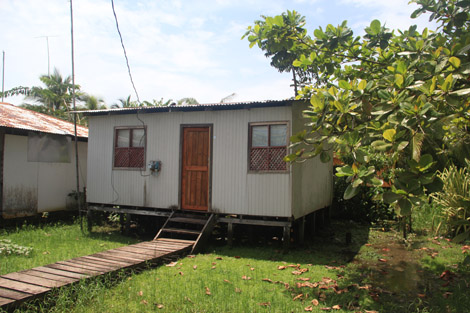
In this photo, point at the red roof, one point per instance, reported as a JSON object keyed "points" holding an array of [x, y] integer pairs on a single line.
{"points": [[15, 117]]}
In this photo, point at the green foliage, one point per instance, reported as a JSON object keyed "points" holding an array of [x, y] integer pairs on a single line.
{"points": [[454, 200], [361, 208], [274, 36], [401, 95]]}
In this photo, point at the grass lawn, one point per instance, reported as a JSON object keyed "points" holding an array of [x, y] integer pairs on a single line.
{"points": [[377, 272]]}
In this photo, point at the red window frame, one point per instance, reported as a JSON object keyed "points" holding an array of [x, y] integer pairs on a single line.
{"points": [[129, 157], [267, 158]]}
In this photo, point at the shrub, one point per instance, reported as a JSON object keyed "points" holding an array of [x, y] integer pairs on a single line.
{"points": [[454, 200]]}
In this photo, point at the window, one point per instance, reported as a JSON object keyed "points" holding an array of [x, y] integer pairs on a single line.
{"points": [[129, 147], [268, 147], [49, 148]]}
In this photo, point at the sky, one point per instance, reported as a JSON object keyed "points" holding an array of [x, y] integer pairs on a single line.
{"points": [[176, 49]]}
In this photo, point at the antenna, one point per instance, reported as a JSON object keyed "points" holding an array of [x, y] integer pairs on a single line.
{"points": [[3, 76], [48, 56]]}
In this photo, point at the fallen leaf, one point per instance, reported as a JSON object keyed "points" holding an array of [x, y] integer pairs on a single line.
{"points": [[214, 263], [159, 306], [244, 277], [227, 281], [309, 308], [188, 299], [213, 267], [181, 273], [298, 296], [194, 267], [268, 280], [218, 258], [447, 275], [252, 268], [191, 256], [208, 291], [46, 252], [141, 293], [281, 267], [236, 257], [383, 260], [144, 302], [373, 311], [326, 308], [446, 294], [171, 264], [336, 307], [294, 265], [385, 249], [368, 245], [421, 295], [238, 290], [297, 273], [303, 278], [315, 302], [265, 303], [305, 284]]}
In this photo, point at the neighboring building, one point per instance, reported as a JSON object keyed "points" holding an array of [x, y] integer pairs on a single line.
{"points": [[37, 161], [225, 159]]}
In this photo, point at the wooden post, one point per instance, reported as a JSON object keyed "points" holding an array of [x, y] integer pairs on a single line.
{"points": [[286, 238], [89, 218], [315, 222], [121, 221], [302, 230], [230, 234], [128, 223]]}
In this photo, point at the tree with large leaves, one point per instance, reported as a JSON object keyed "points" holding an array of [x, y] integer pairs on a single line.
{"points": [[277, 44], [391, 106]]}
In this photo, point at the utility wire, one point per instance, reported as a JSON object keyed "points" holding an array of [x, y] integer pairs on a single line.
{"points": [[125, 53]]}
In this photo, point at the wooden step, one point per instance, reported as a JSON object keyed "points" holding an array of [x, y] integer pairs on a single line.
{"points": [[180, 231], [187, 220]]}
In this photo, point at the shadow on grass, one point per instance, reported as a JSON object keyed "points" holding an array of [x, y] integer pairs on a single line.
{"points": [[376, 272], [326, 247]]}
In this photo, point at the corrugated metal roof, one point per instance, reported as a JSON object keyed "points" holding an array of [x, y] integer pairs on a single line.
{"points": [[192, 107], [15, 117]]}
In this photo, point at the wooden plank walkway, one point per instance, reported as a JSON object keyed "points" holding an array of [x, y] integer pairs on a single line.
{"points": [[29, 284]]}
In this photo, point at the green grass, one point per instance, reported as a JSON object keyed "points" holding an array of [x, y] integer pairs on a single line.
{"points": [[247, 278], [56, 242]]}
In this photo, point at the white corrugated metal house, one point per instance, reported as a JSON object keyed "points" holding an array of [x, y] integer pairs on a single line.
{"points": [[37, 163], [224, 159]]}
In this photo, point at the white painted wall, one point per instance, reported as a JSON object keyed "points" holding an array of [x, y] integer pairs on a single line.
{"points": [[233, 190], [38, 186]]}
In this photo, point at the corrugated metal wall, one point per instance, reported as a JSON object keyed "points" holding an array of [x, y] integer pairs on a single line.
{"points": [[312, 181], [234, 191]]}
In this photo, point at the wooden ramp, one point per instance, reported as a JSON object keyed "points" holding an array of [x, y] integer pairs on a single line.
{"points": [[29, 284]]}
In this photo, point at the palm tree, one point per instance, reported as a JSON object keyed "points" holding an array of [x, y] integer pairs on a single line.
{"points": [[186, 101], [93, 102], [57, 94], [125, 103]]}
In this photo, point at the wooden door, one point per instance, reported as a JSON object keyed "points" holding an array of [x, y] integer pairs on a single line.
{"points": [[195, 168]]}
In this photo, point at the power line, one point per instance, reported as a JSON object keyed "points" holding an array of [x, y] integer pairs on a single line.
{"points": [[125, 54]]}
